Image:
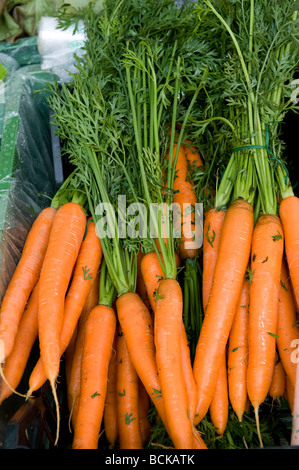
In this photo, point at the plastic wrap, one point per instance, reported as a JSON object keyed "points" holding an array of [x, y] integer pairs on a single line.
{"points": [[27, 177]]}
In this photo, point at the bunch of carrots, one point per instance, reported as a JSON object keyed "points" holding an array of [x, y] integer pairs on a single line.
{"points": [[138, 338]]}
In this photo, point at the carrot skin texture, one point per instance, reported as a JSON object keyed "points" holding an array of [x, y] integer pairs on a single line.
{"points": [[213, 223], [219, 404], [110, 410], [152, 274], [230, 268], [16, 362], [86, 267], [278, 383], [24, 278], [100, 331], [287, 330], [288, 212], [168, 323], [127, 396], [266, 259], [238, 354], [63, 248], [144, 405]]}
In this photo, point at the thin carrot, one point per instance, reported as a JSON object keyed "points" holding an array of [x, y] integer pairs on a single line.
{"points": [[24, 279], [288, 212], [266, 259], [140, 285], [127, 397], [237, 355], [213, 223], [219, 404], [110, 410], [278, 381], [16, 362], [290, 392], [68, 359], [75, 372], [198, 440], [168, 318], [287, 329], [232, 261], [63, 248], [144, 422], [85, 270], [99, 336], [188, 373]]}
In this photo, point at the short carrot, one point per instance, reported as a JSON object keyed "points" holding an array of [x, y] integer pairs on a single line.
{"points": [[127, 397], [287, 330], [231, 265], [266, 259], [24, 279], [99, 336], [219, 404], [237, 355]]}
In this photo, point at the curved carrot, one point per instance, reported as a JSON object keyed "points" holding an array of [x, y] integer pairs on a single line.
{"points": [[63, 248], [237, 355], [213, 223], [266, 259], [127, 387], [168, 327], [24, 279], [75, 372], [144, 405], [110, 410], [99, 336], [16, 362], [287, 330], [85, 270], [288, 212], [219, 404], [232, 261]]}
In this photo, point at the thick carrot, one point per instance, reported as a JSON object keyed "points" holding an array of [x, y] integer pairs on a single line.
{"points": [[168, 330], [110, 410], [287, 329], [24, 279], [219, 404], [75, 372], [16, 362], [144, 405], [211, 238], [99, 336], [237, 355], [266, 259], [63, 248], [288, 212], [278, 382], [232, 261], [85, 271], [127, 397]]}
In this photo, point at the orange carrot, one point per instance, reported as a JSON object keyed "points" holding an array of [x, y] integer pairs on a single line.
{"points": [[85, 270], [127, 385], [230, 268], [266, 259], [238, 354], [110, 410], [152, 274], [188, 374], [287, 330], [68, 359], [24, 279], [99, 336], [16, 362], [140, 285], [198, 440], [75, 373], [63, 248], [288, 212], [278, 381], [144, 405], [168, 328], [219, 404], [211, 238]]}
